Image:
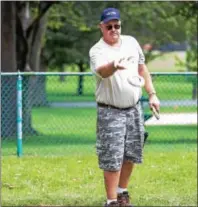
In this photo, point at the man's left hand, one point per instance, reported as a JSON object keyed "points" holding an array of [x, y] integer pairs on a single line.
{"points": [[154, 102]]}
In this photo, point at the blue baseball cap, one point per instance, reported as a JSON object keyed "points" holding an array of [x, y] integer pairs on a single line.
{"points": [[110, 14]]}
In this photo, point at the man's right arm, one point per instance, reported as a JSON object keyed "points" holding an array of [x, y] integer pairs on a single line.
{"points": [[106, 70], [99, 64], [101, 67]]}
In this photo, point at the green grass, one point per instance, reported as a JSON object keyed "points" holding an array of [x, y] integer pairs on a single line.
{"points": [[68, 90], [168, 88], [64, 130], [59, 167], [167, 178], [173, 87]]}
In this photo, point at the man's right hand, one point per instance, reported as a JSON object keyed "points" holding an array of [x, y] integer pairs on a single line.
{"points": [[121, 63], [108, 69]]}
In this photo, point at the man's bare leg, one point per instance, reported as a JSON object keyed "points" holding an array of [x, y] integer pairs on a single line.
{"points": [[125, 174], [111, 180]]}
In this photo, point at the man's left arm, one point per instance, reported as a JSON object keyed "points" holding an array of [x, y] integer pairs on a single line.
{"points": [[153, 99]]}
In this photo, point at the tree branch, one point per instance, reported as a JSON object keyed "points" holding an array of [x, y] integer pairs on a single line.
{"points": [[22, 45], [43, 10]]}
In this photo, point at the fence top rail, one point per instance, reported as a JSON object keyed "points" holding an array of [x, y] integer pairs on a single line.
{"points": [[47, 73], [82, 73]]}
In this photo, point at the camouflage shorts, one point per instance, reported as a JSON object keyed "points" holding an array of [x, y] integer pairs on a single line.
{"points": [[120, 136]]}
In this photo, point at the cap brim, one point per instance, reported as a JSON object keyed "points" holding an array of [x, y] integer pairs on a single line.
{"points": [[110, 18]]}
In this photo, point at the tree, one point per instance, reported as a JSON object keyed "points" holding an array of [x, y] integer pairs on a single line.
{"points": [[189, 11], [71, 37], [23, 26], [68, 40], [8, 64], [144, 20]]}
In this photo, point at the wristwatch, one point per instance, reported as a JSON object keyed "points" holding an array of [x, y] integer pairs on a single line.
{"points": [[151, 93]]}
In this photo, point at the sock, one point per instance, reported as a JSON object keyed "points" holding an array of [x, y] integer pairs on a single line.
{"points": [[110, 200], [121, 190]]}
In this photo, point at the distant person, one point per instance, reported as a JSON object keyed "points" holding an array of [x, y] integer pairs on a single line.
{"points": [[118, 63]]}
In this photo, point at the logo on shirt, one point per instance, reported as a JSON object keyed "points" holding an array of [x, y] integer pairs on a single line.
{"points": [[132, 59]]}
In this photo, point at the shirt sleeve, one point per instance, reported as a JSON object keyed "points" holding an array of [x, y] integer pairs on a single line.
{"points": [[97, 59], [141, 54]]}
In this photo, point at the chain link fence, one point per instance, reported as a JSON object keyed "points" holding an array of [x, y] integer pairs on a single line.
{"points": [[59, 112]]}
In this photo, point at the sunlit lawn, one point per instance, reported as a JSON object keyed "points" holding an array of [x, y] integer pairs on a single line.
{"points": [[59, 167], [168, 88]]}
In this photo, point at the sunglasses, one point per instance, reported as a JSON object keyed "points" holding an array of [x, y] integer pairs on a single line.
{"points": [[115, 26]]}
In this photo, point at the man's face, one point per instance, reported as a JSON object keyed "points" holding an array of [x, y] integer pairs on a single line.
{"points": [[111, 30]]}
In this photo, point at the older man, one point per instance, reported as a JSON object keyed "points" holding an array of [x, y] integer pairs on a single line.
{"points": [[118, 63]]}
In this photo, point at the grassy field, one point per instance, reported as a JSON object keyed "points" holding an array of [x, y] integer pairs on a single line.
{"points": [[74, 128], [67, 90], [168, 88], [59, 167], [167, 178]]}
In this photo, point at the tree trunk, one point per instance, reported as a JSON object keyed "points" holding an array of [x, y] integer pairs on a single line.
{"points": [[36, 43], [62, 77], [8, 107], [23, 56], [38, 83], [33, 86], [27, 107], [21, 44], [8, 64], [8, 37], [40, 93], [80, 80]]}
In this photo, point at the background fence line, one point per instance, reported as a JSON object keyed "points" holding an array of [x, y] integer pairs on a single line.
{"points": [[59, 110], [85, 73]]}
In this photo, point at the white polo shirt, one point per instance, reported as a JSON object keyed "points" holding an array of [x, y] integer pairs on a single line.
{"points": [[123, 88]]}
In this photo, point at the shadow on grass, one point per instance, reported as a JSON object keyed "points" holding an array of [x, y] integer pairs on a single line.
{"points": [[176, 136], [72, 145], [71, 139], [69, 97], [57, 145], [43, 140], [178, 141]]}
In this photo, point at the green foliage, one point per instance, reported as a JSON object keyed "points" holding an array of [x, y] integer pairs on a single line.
{"points": [[152, 22], [73, 28], [190, 62], [189, 11], [191, 57], [70, 34]]}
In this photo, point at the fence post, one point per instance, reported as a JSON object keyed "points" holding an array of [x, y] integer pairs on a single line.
{"points": [[19, 115]]}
